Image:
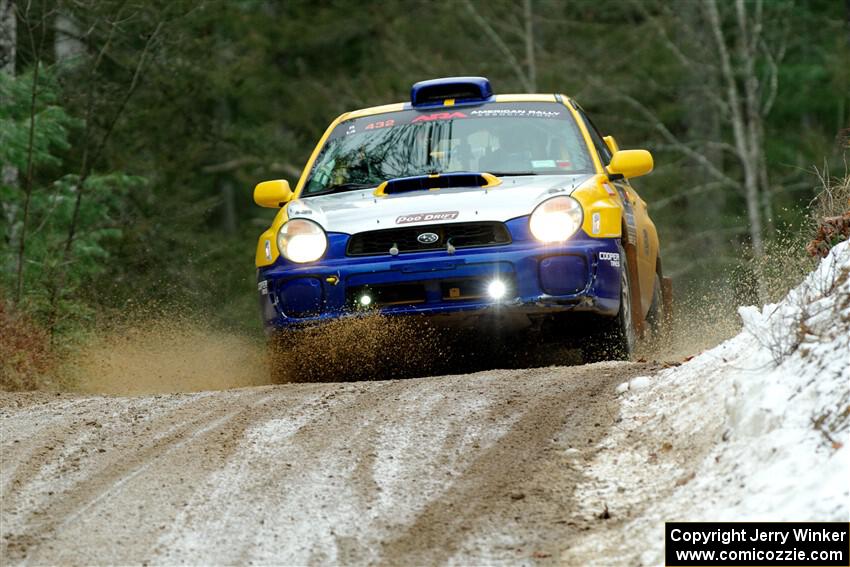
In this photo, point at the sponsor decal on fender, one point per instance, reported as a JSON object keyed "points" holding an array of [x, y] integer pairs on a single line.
{"points": [[612, 257], [427, 217]]}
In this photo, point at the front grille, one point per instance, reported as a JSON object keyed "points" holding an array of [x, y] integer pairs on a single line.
{"points": [[460, 235]]}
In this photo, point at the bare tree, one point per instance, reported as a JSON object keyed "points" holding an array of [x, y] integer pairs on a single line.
{"points": [[8, 53], [35, 26], [8, 36], [527, 73], [748, 106], [530, 59], [739, 80], [93, 149], [66, 37]]}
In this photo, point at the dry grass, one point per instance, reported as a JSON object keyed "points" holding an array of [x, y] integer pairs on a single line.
{"points": [[26, 358], [834, 197], [830, 211]]}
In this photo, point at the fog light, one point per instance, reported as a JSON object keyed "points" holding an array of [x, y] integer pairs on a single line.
{"points": [[497, 289], [365, 300]]}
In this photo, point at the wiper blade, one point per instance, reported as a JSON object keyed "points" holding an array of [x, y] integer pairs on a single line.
{"points": [[342, 187], [509, 173]]}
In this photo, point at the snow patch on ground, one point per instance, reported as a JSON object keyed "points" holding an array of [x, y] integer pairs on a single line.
{"points": [[636, 383], [346, 499], [754, 429]]}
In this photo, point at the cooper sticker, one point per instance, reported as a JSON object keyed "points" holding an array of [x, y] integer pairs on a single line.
{"points": [[427, 217], [612, 257]]}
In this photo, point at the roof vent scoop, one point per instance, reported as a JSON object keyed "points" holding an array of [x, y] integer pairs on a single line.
{"points": [[458, 90]]}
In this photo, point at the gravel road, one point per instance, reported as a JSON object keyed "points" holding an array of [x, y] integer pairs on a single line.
{"points": [[476, 468]]}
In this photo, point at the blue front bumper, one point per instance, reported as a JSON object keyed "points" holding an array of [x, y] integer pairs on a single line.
{"points": [[541, 279]]}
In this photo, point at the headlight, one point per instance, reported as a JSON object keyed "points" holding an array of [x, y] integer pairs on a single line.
{"points": [[556, 219], [301, 240]]}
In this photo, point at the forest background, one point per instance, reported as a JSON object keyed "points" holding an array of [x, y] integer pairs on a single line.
{"points": [[133, 132]]}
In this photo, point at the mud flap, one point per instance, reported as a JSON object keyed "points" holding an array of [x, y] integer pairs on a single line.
{"points": [[667, 302], [637, 308]]}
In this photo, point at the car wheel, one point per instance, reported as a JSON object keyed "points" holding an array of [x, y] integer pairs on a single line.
{"points": [[614, 338]]}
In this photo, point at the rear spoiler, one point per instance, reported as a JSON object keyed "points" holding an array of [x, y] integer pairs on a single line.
{"points": [[436, 181]]}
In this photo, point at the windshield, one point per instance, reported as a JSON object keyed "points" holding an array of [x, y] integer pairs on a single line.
{"points": [[499, 138]]}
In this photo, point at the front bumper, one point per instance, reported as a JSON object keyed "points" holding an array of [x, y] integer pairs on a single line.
{"points": [[541, 280]]}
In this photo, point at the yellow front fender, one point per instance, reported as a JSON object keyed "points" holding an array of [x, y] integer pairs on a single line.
{"points": [[603, 211], [267, 251]]}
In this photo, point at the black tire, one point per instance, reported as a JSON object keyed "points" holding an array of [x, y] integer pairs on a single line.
{"points": [[655, 317], [613, 338]]}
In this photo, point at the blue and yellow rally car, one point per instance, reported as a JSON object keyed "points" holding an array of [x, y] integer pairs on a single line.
{"points": [[469, 208]]}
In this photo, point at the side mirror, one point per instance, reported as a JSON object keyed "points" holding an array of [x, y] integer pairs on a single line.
{"points": [[272, 194], [612, 144], [631, 163]]}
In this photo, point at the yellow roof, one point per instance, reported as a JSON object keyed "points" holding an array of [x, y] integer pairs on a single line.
{"points": [[395, 107]]}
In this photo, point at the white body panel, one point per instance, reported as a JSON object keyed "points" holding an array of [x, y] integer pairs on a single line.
{"points": [[358, 211]]}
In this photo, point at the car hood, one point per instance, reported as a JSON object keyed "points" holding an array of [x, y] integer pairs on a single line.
{"points": [[357, 211]]}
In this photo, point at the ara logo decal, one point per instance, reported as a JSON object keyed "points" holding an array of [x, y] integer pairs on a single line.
{"points": [[425, 217], [612, 257], [438, 116], [428, 237]]}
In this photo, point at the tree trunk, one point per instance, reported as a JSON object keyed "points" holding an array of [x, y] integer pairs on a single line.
{"points": [[65, 42], [224, 180], [8, 172], [750, 29], [28, 187], [531, 61], [703, 122], [744, 131], [847, 17], [8, 36]]}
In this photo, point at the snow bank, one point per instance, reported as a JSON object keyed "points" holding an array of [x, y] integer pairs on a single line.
{"points": [[754, 429], [794, 415]]}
